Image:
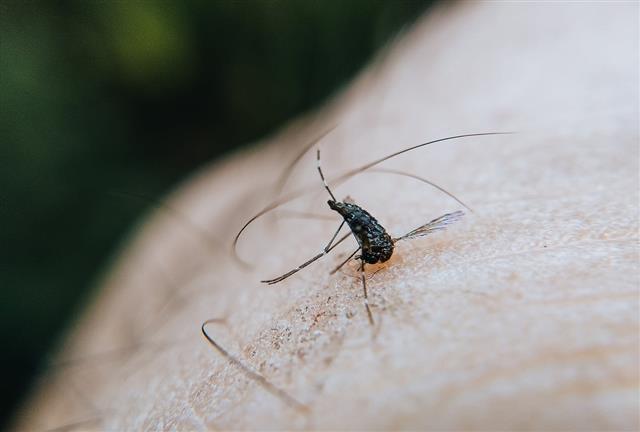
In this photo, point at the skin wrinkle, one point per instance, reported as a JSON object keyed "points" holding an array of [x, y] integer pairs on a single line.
{"points": [[478, 327]]}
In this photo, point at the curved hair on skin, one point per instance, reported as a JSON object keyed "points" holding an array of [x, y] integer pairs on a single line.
{"points": [[261, 380], [298, 193], [286, 173]]}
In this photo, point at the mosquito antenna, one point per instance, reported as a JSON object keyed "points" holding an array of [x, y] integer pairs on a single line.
{"points": [[283, 395], [424, 180], [343, 177], [326, 186]]}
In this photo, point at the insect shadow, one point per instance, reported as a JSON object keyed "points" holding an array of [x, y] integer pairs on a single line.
{"points": [[375, 244]]}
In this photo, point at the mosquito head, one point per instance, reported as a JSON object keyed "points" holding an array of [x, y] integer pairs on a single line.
{"points": [[338, 206]]}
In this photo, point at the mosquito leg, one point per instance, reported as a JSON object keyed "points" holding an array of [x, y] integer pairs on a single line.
{"points": [[325, 251], [278, 392], [364, 288], [345, 261], [327, 248]]}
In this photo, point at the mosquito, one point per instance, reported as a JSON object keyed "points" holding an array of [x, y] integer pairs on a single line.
{"points": [[375, 245]]}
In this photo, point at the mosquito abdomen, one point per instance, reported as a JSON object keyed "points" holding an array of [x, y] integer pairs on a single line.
{"points": [[376, 244]]}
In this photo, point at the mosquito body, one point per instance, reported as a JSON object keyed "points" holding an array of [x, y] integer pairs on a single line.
{"points": [[376, 245]]}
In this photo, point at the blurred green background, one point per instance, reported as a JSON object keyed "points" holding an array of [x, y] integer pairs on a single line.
{"points": [[132, 96]]}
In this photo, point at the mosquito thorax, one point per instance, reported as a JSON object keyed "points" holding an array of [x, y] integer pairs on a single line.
{"points": [[343, 208]]}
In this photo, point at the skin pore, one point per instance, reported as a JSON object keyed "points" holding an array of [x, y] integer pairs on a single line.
{"points": [[524, 315]]}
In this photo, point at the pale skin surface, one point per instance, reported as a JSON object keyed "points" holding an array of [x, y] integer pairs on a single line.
{"points": [[522, 316]]}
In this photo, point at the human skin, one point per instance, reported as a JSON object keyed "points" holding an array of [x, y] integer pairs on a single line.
{"points": [[522, 316]]}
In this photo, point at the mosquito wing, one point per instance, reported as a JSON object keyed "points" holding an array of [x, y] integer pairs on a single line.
{"points": [[437, 224]]}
